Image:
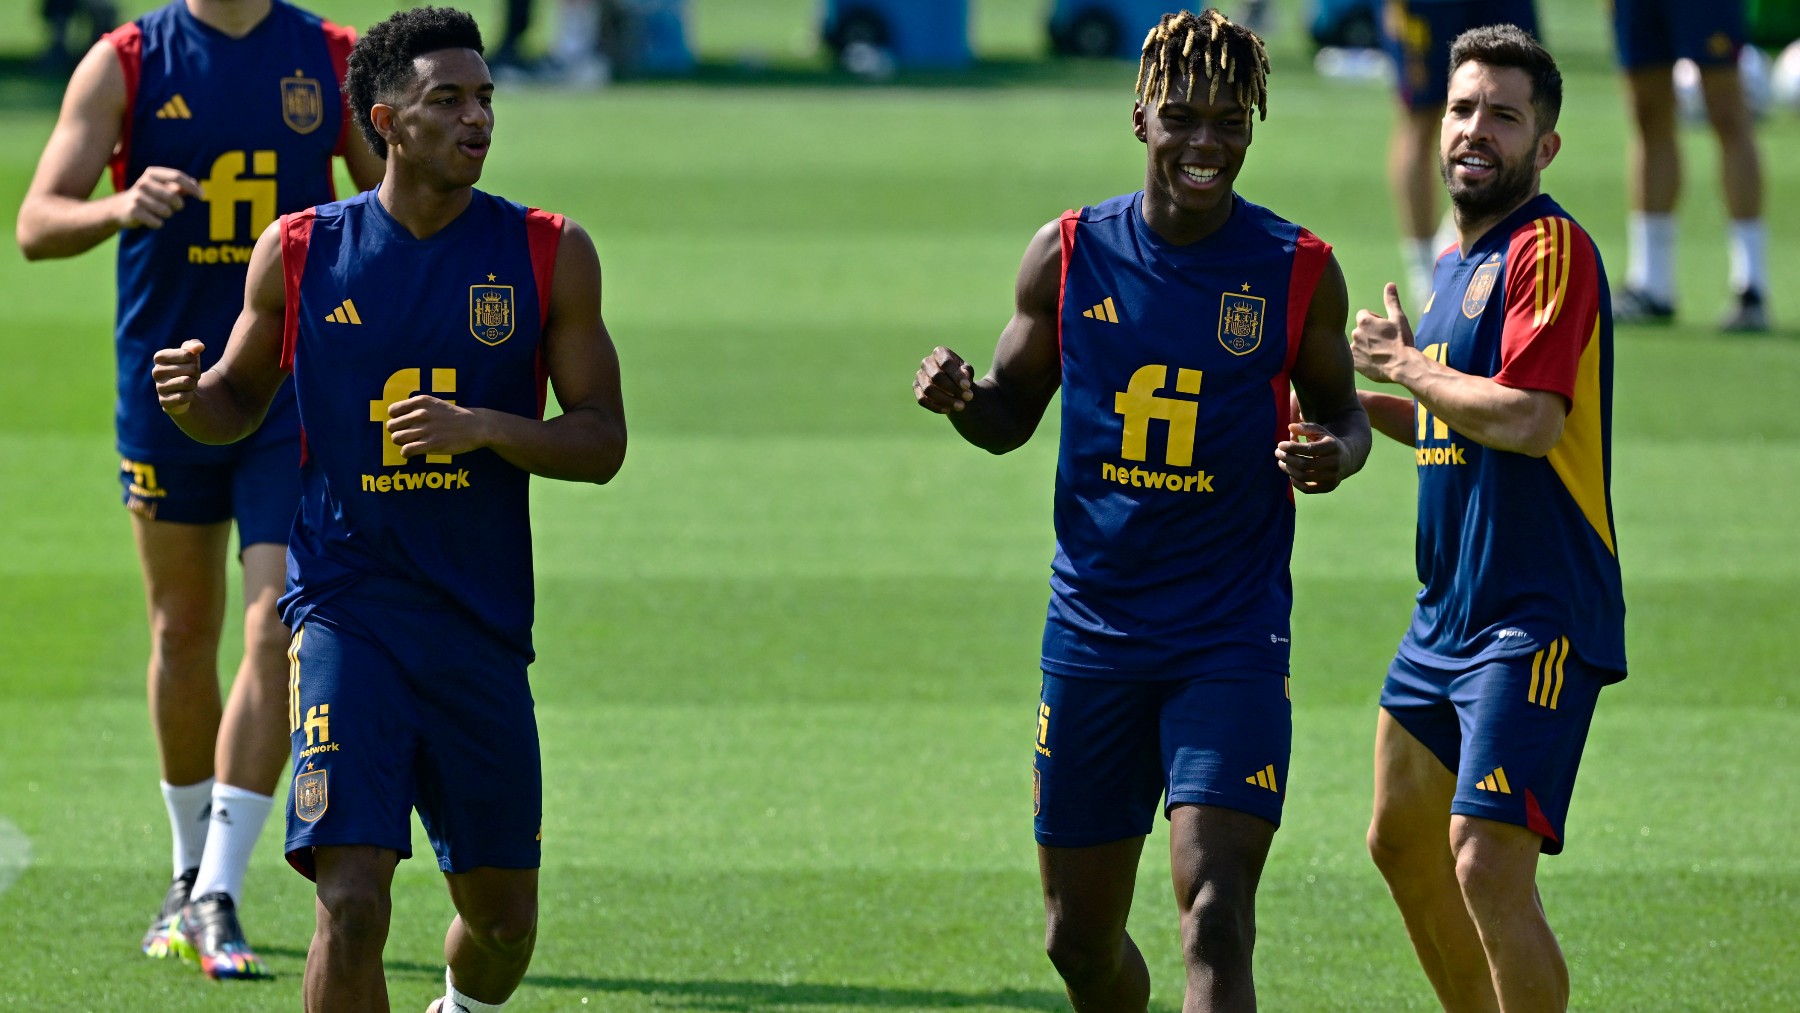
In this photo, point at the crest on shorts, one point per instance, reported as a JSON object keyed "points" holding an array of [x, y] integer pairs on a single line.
{"points": [[309, 795], [302, 103], [1240, 322], [1475, 297], [491, 313]]}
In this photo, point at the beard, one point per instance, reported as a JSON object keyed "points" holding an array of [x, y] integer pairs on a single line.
{"points": [[1509, 188]]}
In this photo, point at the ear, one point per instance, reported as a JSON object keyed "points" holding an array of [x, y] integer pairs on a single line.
{"points": [[1547, 147], [1137, 122], [381, 117]]}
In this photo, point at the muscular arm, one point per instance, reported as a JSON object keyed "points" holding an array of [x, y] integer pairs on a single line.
{"points": [[229, 401], [56, 218], [1493, 415], [999, 412], [1390, 415], [586, 443], [1336, 429]]}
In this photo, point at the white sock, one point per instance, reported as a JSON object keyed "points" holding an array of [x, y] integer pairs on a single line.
{"points": [[1420, 259], [1652, 269], [190, 809], [238, 816], [1749, 256], [456, 1002]]}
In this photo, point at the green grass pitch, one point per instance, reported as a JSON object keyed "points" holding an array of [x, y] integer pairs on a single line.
{"points": [[788, 656]]}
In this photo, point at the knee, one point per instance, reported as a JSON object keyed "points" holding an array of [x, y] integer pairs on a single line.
{"points": [[183, 643], [1218, 927], [511, 931], [354, 911], [1078, 954], [1392, 852]]}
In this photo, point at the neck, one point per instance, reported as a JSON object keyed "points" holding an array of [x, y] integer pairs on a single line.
{"points": [[233, 17], [420, 208], [1178, 227], [1470, 230]]}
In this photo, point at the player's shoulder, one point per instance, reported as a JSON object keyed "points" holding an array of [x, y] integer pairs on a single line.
{"points": [[1111, 209], [1543, 223], [1253, 219]]}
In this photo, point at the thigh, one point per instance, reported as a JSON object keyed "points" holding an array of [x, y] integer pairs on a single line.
{"points": [[1096, 774], [354, 731], [184, 573], [1225, 742], [1216, 855], [1710, 34], [1413, 787], [265, 492], [1527, 723], [1417, 698], [479, 778], [1088, 891]]}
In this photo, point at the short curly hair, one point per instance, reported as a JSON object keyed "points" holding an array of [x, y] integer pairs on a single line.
{"points": [[1514, 47], [381, 64]]}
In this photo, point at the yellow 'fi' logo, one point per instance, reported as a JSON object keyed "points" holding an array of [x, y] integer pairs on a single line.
{"points": [[491, 313]]}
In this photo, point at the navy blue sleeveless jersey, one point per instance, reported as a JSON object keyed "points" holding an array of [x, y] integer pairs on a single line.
{"points": [[1174, 525], [256, 121], [375, 316], [1514, 551]]}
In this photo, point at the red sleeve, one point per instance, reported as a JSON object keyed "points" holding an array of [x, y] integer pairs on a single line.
{"points": [[128, 42], [1552, 299], [543, 235], [1067, 224], [338, 40], [296, 235], [1310, 257]]}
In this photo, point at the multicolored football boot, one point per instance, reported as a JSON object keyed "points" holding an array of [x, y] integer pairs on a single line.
{"points": [[215, 940], [163, 938]]}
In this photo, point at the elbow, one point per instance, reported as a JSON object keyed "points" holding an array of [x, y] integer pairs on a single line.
{"points": [[30, 243], [1539, 440], [609, 461]]}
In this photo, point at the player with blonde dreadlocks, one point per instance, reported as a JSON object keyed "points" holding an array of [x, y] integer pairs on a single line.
{"points": [[1175, 320]]}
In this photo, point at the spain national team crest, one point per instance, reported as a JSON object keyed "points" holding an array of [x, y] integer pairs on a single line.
{"points": [[491, 313], [1240, 322], [1481, 286], [302, 103], [309, 795]]}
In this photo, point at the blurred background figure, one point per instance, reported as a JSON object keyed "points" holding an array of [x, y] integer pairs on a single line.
{"points": [[1651, 35], [1418, 35], [95, 18]]}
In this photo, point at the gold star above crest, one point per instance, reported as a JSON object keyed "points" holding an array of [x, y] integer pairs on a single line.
{"points": [[1246, 286], [490, 277]]}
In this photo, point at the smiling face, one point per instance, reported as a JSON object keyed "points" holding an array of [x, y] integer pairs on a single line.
{"points": [[1491, 153], [443, 124], [1196, 148]]}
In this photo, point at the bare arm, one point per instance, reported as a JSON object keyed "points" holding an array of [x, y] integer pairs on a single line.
{"points": [[1333, 442], [229, 401], [1390, 415], [1493, 415], [999, 412], [56, 218], [586, 443]]}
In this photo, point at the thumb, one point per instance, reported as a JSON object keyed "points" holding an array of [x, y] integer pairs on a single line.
{"points": [[193, 347], [1391, 295]]}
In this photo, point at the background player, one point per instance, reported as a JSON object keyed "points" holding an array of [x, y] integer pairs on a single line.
{"points": [[1418, 35], [1166, 647], [419, 322], [1651, 35], [214, 115], [1522, 618]]}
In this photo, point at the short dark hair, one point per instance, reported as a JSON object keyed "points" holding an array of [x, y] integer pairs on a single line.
{"points": [[1205, 46], [381, 64], [1512, 46]]}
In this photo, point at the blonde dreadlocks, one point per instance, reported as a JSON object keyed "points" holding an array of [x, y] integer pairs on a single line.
{"points": [[1206, 45]]}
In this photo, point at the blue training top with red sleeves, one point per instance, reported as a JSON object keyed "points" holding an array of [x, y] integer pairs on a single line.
{"points": [[375, 316], [1515, 551], [255, 120], [1174, 524]]}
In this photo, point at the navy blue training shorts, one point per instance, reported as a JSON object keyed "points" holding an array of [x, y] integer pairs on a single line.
{"points": [[396, 706], [1511, 729], [258, 487], [1656, 33], [1108, 750], [1418, 37]]}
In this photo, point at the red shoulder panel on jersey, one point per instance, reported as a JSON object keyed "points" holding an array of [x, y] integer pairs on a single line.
{"points": [[543, 235], [296, 236], [1067, 225], [1552, 301], [339, 39], [128, 43]]}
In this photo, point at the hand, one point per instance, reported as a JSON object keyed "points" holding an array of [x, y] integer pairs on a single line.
{"points": [[1379, 345], [944, 383], [155, 196], [177, 374], [427, 425], [1313, 460]]}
